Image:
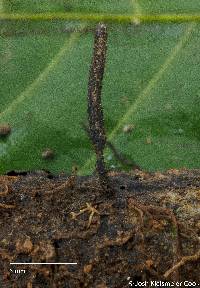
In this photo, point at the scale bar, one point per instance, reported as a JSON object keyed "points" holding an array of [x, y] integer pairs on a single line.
{"points": [[49, 263]]}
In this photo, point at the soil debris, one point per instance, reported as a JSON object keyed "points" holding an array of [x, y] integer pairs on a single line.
{"points": [[148, 231]]}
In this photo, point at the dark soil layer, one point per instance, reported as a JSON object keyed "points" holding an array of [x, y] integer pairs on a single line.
{"points": [[146, 230]]}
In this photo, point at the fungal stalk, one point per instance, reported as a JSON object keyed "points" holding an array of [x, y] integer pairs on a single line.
{"points": [[95, 111]]}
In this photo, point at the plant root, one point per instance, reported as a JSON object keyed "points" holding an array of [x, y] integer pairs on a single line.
{"points": [[90, 209], [182, 262], [150, 210], [4, 193]]}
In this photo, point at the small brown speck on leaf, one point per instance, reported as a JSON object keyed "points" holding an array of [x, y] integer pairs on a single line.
{"points": [[128, 128], [148, 140], [48, 154], [5, 129]]}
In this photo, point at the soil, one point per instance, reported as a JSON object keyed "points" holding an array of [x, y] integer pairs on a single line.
{"points": [[145, 232]]}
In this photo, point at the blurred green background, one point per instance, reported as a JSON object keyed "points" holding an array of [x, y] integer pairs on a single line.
{"points": [[151, 84]]}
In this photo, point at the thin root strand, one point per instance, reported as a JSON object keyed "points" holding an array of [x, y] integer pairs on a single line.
{"points": [[90, 209], [182, 262]]}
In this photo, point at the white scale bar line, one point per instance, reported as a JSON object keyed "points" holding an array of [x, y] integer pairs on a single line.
{"points": [[50, 263]]}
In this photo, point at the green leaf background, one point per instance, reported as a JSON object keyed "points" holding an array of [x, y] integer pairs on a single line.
{"points": [[151, 81]]}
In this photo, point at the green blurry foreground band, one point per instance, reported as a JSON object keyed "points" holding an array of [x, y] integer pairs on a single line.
{"points": [[96, 17]]}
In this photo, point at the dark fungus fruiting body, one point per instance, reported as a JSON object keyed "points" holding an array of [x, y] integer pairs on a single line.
{"points": [[5, 129], [48, 154], [95, 111]]}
